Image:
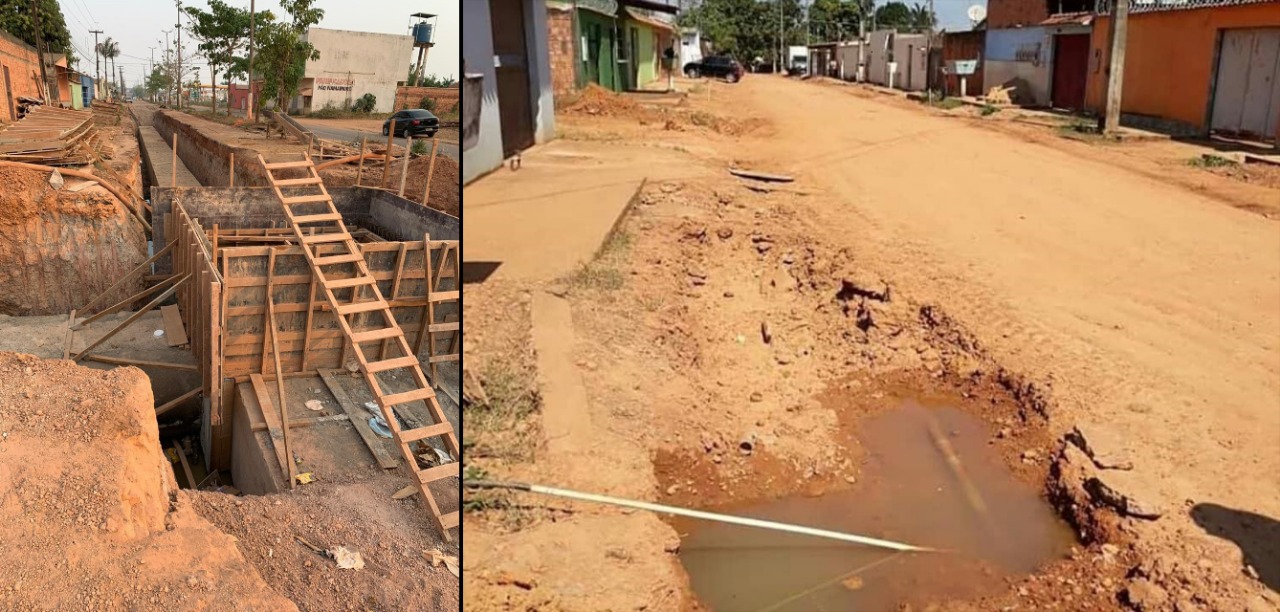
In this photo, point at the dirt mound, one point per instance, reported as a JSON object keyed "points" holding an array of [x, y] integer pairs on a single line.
{"points": [[596, 100], [394, 544], [446, 183], [27, 193], [92, 518]]}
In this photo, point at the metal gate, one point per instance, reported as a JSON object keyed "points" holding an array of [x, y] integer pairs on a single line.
{"points": [[511, 63], [1070, 69], [1246, 97]]}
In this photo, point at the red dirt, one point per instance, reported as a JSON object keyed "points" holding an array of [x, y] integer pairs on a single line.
{"points": [[446, 186], [93, 517], [596, 100], [27, 194]]}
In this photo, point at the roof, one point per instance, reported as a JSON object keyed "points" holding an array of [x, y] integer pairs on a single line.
{"points": [[1083, 18], [422, 15], [653, 5], [645, 19]]}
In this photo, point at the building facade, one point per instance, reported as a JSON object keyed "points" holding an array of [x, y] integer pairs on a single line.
{"points": [[507, 70], [351, 65], [619, 45], [964, 46], [1040, 48], [1196, 68]]}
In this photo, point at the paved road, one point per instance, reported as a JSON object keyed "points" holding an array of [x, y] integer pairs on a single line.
{"points": [[329, 132]]}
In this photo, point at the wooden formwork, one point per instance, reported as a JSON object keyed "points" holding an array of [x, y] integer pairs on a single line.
{"points": [[224, 306], [200, 305]]}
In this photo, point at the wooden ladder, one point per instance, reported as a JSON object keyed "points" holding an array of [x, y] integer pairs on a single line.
{"points": [[339, 266]]}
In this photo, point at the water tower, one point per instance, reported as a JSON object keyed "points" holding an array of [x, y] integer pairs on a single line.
{"points": [[423, 29]]}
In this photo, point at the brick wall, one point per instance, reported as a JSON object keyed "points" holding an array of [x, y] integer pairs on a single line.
{"points": [[22, 62], [560, 45], [1012, 13], [411, 97]]}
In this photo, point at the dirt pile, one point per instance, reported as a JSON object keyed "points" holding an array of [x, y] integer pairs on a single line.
{"points": [[446, 183], [596, 100], [27, 193], [92, 516], [394, 544]]}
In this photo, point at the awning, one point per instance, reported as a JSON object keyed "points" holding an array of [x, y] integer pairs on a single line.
{"points": [[650, 21], [1082, 18], [653, 5]]}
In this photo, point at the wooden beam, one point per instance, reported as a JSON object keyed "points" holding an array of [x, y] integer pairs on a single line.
{"points": [[360, 421], [120, 361], [333, 418], [122, 304], [140, 268], [186, 467], [273, 423], [71, 334], [171, 404], [431, 169], [275, 355], [132, 318]]}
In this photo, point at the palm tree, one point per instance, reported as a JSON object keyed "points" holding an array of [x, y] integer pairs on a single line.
{"points": [[109, 49]]}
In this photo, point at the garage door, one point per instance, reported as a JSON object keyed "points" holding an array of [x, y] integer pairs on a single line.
{"points": [[1246, 99]]}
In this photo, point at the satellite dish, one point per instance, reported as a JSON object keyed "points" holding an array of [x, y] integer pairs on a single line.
{"points": [[977, 13]]}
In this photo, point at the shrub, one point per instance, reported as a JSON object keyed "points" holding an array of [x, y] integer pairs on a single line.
{"points": [[365, 104], [419, 147], [428, 103]]}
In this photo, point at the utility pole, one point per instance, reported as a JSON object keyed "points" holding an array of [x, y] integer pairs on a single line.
{"points": [[179, 27], [252, 15], [168, 90], [97, 67], [122, 94], [781, 43], [40, 51], [1115, 80], [928, 51]]}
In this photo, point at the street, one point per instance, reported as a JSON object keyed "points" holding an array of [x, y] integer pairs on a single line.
{"points": [[326, 128]]}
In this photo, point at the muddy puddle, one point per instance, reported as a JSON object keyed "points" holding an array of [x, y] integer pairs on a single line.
{"points": [[993, 529]]}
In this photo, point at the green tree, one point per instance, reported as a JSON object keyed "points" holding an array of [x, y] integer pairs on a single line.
{"points": [[16, 19], [898, 15], [283, 54], [747, 29], [109, 50], [221, 32], [836, 19]]}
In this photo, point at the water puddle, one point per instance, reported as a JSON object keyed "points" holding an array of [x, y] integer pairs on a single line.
{"points": [[909, 492]]}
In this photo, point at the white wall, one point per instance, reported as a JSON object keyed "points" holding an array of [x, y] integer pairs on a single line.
{"points": [[477, 56], [877, 56], [909, 53], [353, 64], [847, 55]]}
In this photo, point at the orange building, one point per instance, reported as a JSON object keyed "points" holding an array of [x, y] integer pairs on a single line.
{"points": [[1194, 69], [19, 74]]}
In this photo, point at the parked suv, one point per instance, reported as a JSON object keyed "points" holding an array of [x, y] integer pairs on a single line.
{"points": [[715, 66], [413, 122]]}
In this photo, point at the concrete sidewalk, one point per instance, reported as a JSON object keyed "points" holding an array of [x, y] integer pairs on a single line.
{"points": [[544, 220]]}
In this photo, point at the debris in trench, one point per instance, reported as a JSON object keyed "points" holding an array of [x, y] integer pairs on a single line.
{"points": [[305, 478], [379, 427], [314, 405], [761, 176], [347, 559], [449, 561]]}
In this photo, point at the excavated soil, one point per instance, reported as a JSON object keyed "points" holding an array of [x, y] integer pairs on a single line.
{"points": [[446, 186], [722, 308], [93, 517]]}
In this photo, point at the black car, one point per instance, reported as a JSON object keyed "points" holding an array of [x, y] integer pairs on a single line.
{"points": [[413, 122], [715, 66]]}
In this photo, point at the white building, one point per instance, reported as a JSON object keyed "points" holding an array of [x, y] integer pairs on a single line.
{"points": [[690, 46], [351, 65], [506, 68]]}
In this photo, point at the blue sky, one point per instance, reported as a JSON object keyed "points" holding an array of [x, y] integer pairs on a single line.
{"points": [[139, 25]]}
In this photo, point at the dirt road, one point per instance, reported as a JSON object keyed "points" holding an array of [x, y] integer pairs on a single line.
{"points": [[1154, 310]]}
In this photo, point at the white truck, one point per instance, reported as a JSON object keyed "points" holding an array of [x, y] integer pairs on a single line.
{"points": [[797, 60]]}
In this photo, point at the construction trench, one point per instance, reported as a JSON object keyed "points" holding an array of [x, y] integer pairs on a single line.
{"points": [[228, 305]]}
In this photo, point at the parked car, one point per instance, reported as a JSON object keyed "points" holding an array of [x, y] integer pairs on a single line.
{"points": [[715, 66], [413, 122]]}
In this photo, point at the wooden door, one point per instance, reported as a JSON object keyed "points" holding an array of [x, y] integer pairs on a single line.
{"points": [[1247, 90], [511, 64], [1070, 69]]}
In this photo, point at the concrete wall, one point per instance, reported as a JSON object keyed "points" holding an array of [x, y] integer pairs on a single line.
{"points": [[1170, 62], [477, 57], [877, 56], [254, 466], [1022, 53], [384, 213], [848, 58], [909, 53], [352, 64], [207, 157], [22, 62]]}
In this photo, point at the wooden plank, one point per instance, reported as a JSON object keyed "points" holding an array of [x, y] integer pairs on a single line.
{"points": [[294, 423], [275, 354], [175, 334], [273, 422], [173, 403], [134, 317], [360, 421], [186, 467], [120, 361]]}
